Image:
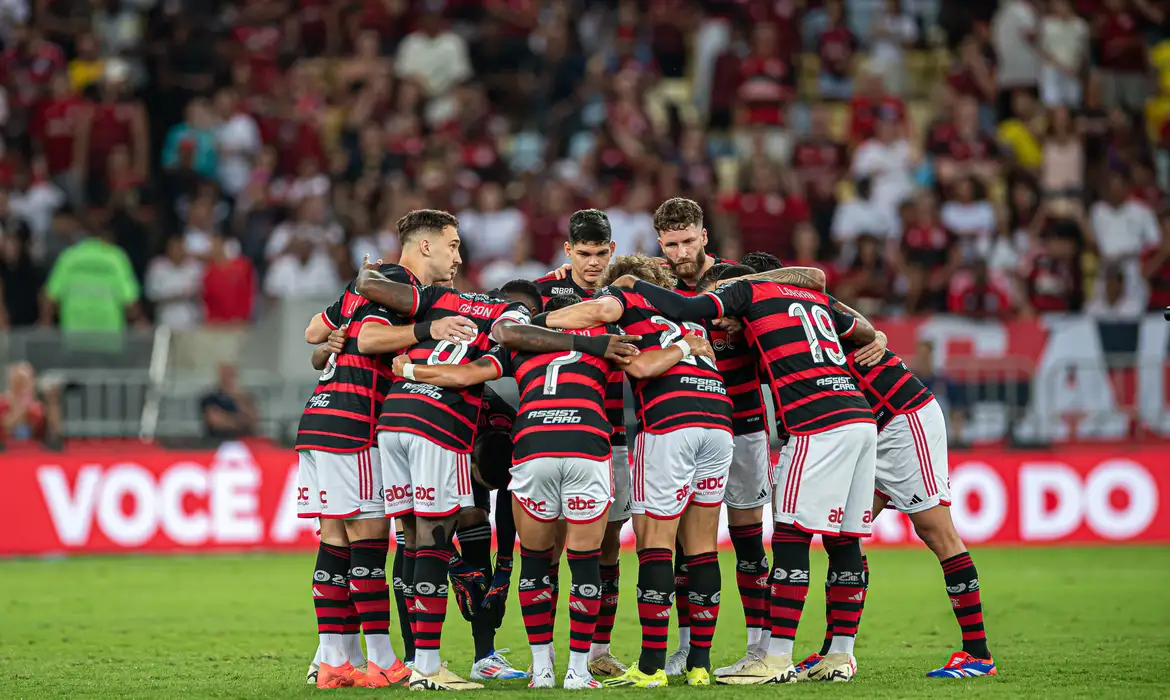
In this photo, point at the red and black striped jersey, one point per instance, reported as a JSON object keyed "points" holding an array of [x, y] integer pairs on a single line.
{"points": [[341, 414], [562, 402], [446, 417], [615, 397], [890, 387], [550, 286], [738, 362], [689, 395], [799, 334], [496, 414]]}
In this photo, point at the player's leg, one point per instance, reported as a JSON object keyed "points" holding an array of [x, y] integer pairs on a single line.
{"points": [[475, 540], [854, 446], [398, 573], [658, 500], [536, 507], [921, 489], [554, 570], [676, 661], [749, 489], [330, 592], [442, 486], [699, 539], [586, 495], [602, 662]]}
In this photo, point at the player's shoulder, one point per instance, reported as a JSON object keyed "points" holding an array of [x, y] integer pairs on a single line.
{"points": [[396, 273]]}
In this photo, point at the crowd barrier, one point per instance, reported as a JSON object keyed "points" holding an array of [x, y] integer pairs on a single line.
{"points": [[135, 498]]}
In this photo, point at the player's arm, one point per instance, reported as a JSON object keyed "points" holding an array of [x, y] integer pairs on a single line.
{"points": [[400, 298], [856, 330], [868, 354], [587, 314], [679, 308], [318, 329], [653, 363], [482, 370], [528, 338], [334, 344], [807, 277]]}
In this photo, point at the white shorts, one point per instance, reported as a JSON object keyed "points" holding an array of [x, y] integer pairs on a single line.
{"points": [[339, 485], [423, 478], [749, 479], [619, 511], [912, 472], [548, 488], [674, 469], [827, 481]]}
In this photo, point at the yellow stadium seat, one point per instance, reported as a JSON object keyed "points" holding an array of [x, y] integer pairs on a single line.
{"points": [[997, 192], [921, 114], [845, 191], [727, 173], [838, 121], [918, 73], [810, 72]]}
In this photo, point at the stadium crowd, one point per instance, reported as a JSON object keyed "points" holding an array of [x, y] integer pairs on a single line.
{"points": [[988, 159]]}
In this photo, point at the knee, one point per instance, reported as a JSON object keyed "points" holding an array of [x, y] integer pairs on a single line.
{"points": [[940, 536]]}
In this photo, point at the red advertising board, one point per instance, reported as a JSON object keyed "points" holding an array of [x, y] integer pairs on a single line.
{"points": [[243, 496]]}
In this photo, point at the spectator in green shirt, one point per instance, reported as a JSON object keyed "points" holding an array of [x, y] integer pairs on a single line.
{"points": [[92, 287]]}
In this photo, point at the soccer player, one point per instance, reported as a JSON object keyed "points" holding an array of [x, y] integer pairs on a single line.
{"points": [[912, 475], [589, 249], [684, 439], [827, 467], [339, 477], [426, 433]]}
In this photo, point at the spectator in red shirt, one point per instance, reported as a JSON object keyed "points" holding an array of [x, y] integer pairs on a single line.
{"points": [[764, 213], [927, 256], [961, 148], [53, 130], [975, 292], [836, 46], [24, 417], [868, 280], [819, 162], [27, 66], [115, 119], [1121, 44], [872, 103], [973, 74], [1053, 277], [766, 84], [229, 285]]}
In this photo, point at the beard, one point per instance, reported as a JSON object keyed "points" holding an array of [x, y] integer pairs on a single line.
{"points": [[689, 268]]}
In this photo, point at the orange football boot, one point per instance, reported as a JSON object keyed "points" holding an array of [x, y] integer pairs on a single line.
{"points": [[378, 677], [335, 676]]}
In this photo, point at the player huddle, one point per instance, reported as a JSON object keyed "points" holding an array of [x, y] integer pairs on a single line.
{"points": [[402, 428]]}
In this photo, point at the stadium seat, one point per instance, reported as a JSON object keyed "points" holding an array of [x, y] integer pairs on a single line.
{"points": [[838, 121], [727, 173], [810, 72]]}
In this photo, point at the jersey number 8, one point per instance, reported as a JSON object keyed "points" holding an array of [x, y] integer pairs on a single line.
{"points": [[674, 333], [819, 325]]}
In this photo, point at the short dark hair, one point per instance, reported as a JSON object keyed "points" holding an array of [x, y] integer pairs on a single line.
{"points": [[722, 271], [493, 457], [643, 267], [560, 301], [424, 221], [589, 226], [677, 213], [525, 289], [761, 261]]}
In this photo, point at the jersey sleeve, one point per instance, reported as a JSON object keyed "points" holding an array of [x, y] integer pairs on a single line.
{"points": [[397, 273], [373, 313], [843, 322], [733, 299], [501, 357], [616, 293], [425, 299], [332, 315], [515, 312]]}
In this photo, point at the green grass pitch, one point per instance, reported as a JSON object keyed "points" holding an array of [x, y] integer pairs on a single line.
{"points": [[1067, 622]]}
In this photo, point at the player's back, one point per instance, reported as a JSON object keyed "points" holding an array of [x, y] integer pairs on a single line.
{"points": [[799, 334], [562, 410], [689, 395], [890, 387], [447, 417], [341, 414]]}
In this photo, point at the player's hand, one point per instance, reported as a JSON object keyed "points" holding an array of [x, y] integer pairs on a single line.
{"points": [[400, 361], [626, 281], [336, 340], [454, 329], [367, 265], [621, 349], [561, 272], [497, 596], [469, 585], [699, 346], [872, 354], [730, 324]]}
